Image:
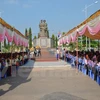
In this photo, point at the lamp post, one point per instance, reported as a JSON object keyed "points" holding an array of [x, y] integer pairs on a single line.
{"points": [[85, 10]]}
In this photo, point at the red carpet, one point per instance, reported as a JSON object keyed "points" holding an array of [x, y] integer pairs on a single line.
{"points": [[46, 56]]}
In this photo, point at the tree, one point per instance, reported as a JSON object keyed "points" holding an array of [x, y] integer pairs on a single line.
{"points": [[8, 44], [30, 38], [93, 43], [72, 46], [35, 37], [81, 43], [48, 33], [53, 39], [56, 40], [26, 32], [7, 47], [63, 33]]}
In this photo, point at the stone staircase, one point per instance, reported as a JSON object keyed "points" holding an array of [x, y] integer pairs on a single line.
{"points": [[46, 56]]}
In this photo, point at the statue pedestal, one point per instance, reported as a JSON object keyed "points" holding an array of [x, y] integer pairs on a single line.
{"points": [[43, 42]]}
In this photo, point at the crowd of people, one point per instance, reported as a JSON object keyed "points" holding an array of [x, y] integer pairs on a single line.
{"points": [[83, 60], [10, 60], [37, 52]]}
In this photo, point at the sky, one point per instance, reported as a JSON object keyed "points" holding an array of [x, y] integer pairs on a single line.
{"points": [[60, 15]]}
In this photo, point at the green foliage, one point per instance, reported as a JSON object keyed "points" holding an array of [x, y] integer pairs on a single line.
{"points": [[53, 39], [0, 45], [26, 32], [47, 33], [63, 33], [30, 38], [35, 37], [82, 44], [53, 36], [93, 43], [56, 40], [6, 47], [30, 31], [64, 45], [5, 43], [72, 46]]}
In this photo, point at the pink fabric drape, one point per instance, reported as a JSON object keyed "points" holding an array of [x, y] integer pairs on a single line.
{"points": [[72, 37], [94, 30], [2, 34], [12, 36], [83, 31], [2, 37], [9, 38]]}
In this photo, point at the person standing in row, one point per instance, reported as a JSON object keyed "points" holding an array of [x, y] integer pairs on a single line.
{"points": [[39, 53], [57, 54], [35, 52]]}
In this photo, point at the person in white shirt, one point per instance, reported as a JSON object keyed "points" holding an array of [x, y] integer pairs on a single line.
{"points": [[58, 54]]}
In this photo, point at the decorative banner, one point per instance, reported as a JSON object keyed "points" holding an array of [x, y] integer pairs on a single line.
{"points": [[9, 34], [66, 39], [92, 28], [2, 33], [12, 36], [81, 31]]}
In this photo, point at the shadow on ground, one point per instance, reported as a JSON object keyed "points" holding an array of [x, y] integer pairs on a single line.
{"points": [[60, 96], [20, 78]]}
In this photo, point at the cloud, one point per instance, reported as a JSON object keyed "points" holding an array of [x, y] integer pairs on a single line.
{"points": [[27, 6], [11, 1]]}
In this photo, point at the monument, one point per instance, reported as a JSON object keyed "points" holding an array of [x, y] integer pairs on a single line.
{"points": [[43, 40], [43, 29]]}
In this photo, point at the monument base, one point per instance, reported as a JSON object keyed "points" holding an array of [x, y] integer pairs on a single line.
{"points": [[43, 42]]}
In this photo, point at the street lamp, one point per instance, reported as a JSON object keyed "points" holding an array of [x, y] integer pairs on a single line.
{"points": [[85, 10]]}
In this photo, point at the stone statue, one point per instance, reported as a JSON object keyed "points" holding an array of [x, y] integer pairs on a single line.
{"points": [[43, 29], [43, 40]]}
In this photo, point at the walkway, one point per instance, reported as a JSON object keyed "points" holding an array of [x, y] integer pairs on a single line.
{"points": [[46, 55], [49, 81]]}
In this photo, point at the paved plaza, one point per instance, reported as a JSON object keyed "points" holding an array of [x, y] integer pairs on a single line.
{"points": [[49, 83]]}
